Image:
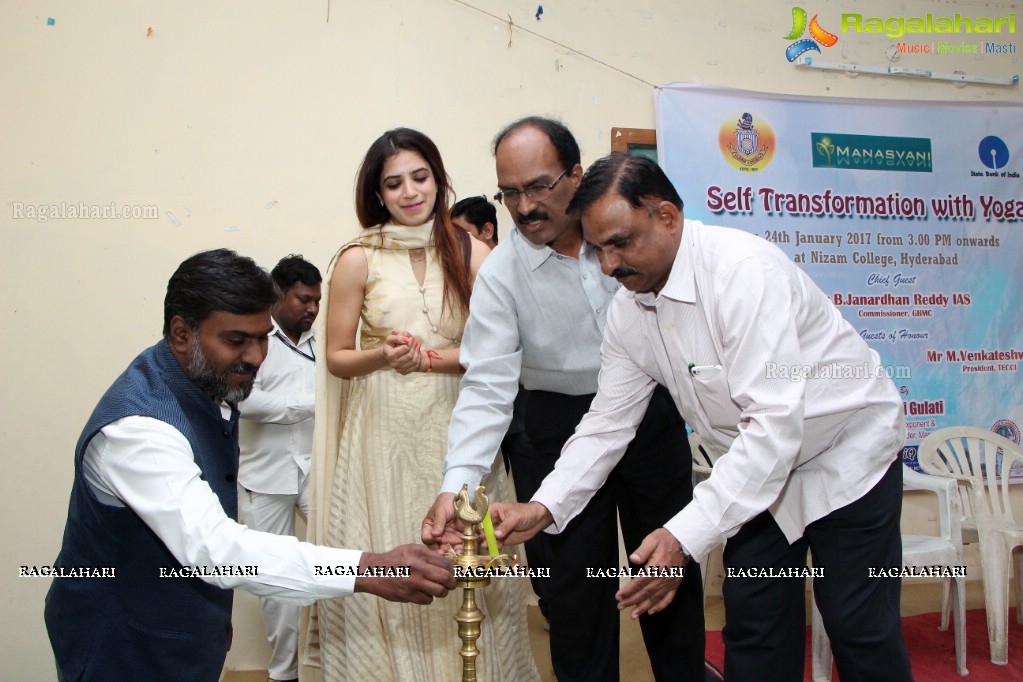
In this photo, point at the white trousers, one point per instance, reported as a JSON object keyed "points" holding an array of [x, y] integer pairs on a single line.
{"points": [[276, 514]]}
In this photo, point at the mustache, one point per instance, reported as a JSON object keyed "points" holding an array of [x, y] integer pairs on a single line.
{"points": [[624, 272], [243, 367], [531, 216]]}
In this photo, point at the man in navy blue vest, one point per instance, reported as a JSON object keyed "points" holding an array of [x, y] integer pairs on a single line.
{"points": [[151, 548]]}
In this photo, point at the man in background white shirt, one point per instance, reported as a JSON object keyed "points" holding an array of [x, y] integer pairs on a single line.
{"points": [[807, 426], [478, 217], [275, 436]]}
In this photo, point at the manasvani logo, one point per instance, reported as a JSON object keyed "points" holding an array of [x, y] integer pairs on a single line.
{"points": [[818, 36], [871, 152], [747, 142]]}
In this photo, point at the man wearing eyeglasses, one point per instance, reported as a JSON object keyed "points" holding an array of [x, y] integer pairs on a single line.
{"points": [[537, 316]]}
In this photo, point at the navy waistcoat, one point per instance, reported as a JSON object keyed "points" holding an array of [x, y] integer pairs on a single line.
{"points": [[138, 625]]}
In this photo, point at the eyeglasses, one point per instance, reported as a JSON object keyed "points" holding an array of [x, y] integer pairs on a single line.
{"points": [[538, 192]]}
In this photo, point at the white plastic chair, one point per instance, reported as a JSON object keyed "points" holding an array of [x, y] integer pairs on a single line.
{"points": [[981, 462], [945, 549], [703, 461]]}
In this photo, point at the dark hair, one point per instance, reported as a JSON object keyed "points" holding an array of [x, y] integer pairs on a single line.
{"points": [[217, 281], [478, 211], [293, 269], [560, 136], [634, 178], [447, 242]]}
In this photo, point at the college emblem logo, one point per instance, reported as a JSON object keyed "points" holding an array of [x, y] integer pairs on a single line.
{"points": [[1007, 429], [818, 36], [747, 142]]}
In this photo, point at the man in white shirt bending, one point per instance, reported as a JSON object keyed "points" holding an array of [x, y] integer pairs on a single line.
{"points": [[806, 426], [275, 436]]}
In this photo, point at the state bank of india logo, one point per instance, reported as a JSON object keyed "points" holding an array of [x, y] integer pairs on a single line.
{"points": [[747, 141], [818, 36]]}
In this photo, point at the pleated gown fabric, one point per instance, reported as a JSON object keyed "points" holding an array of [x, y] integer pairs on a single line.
{"points": [[388, 474]]}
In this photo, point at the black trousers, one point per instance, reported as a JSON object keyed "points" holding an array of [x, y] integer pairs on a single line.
{"points": [[765, 632], [651, 484], [516, 447]]}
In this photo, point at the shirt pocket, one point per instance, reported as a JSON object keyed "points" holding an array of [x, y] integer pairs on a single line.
{"points": [[712, 394]]}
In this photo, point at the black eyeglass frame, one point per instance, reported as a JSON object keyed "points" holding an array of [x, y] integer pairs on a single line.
{"points": [[510, 197]]}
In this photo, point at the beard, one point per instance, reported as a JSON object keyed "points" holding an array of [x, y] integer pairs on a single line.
{"points": [[214, 384]]}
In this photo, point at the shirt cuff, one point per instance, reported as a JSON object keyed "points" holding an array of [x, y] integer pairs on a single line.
{"points": [[456, 477], [547, 497], [692, 529], [346, 564]]}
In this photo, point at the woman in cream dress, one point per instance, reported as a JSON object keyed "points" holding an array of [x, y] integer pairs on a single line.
{"points": [[402, 287]]}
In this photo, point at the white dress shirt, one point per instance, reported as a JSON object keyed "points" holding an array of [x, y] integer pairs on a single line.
{"points": [[537, 317], [724, 334], [275, 433], [148, 465]]}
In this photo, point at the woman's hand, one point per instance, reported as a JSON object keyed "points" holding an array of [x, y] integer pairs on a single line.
{"points": [[403, 352]]}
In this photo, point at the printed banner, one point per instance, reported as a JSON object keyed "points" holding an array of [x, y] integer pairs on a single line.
{"points": [[909, 215]]}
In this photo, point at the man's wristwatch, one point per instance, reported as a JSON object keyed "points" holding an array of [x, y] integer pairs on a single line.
{"points": [[686, 556]]}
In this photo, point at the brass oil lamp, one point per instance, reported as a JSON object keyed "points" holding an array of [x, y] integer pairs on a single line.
{"points": [[472, 572]]}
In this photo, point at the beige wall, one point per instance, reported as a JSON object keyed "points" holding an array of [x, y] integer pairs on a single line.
{"points": [[246, 121]]}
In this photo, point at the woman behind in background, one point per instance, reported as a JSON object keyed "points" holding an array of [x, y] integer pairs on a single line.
{"points": [[407, 278]]}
